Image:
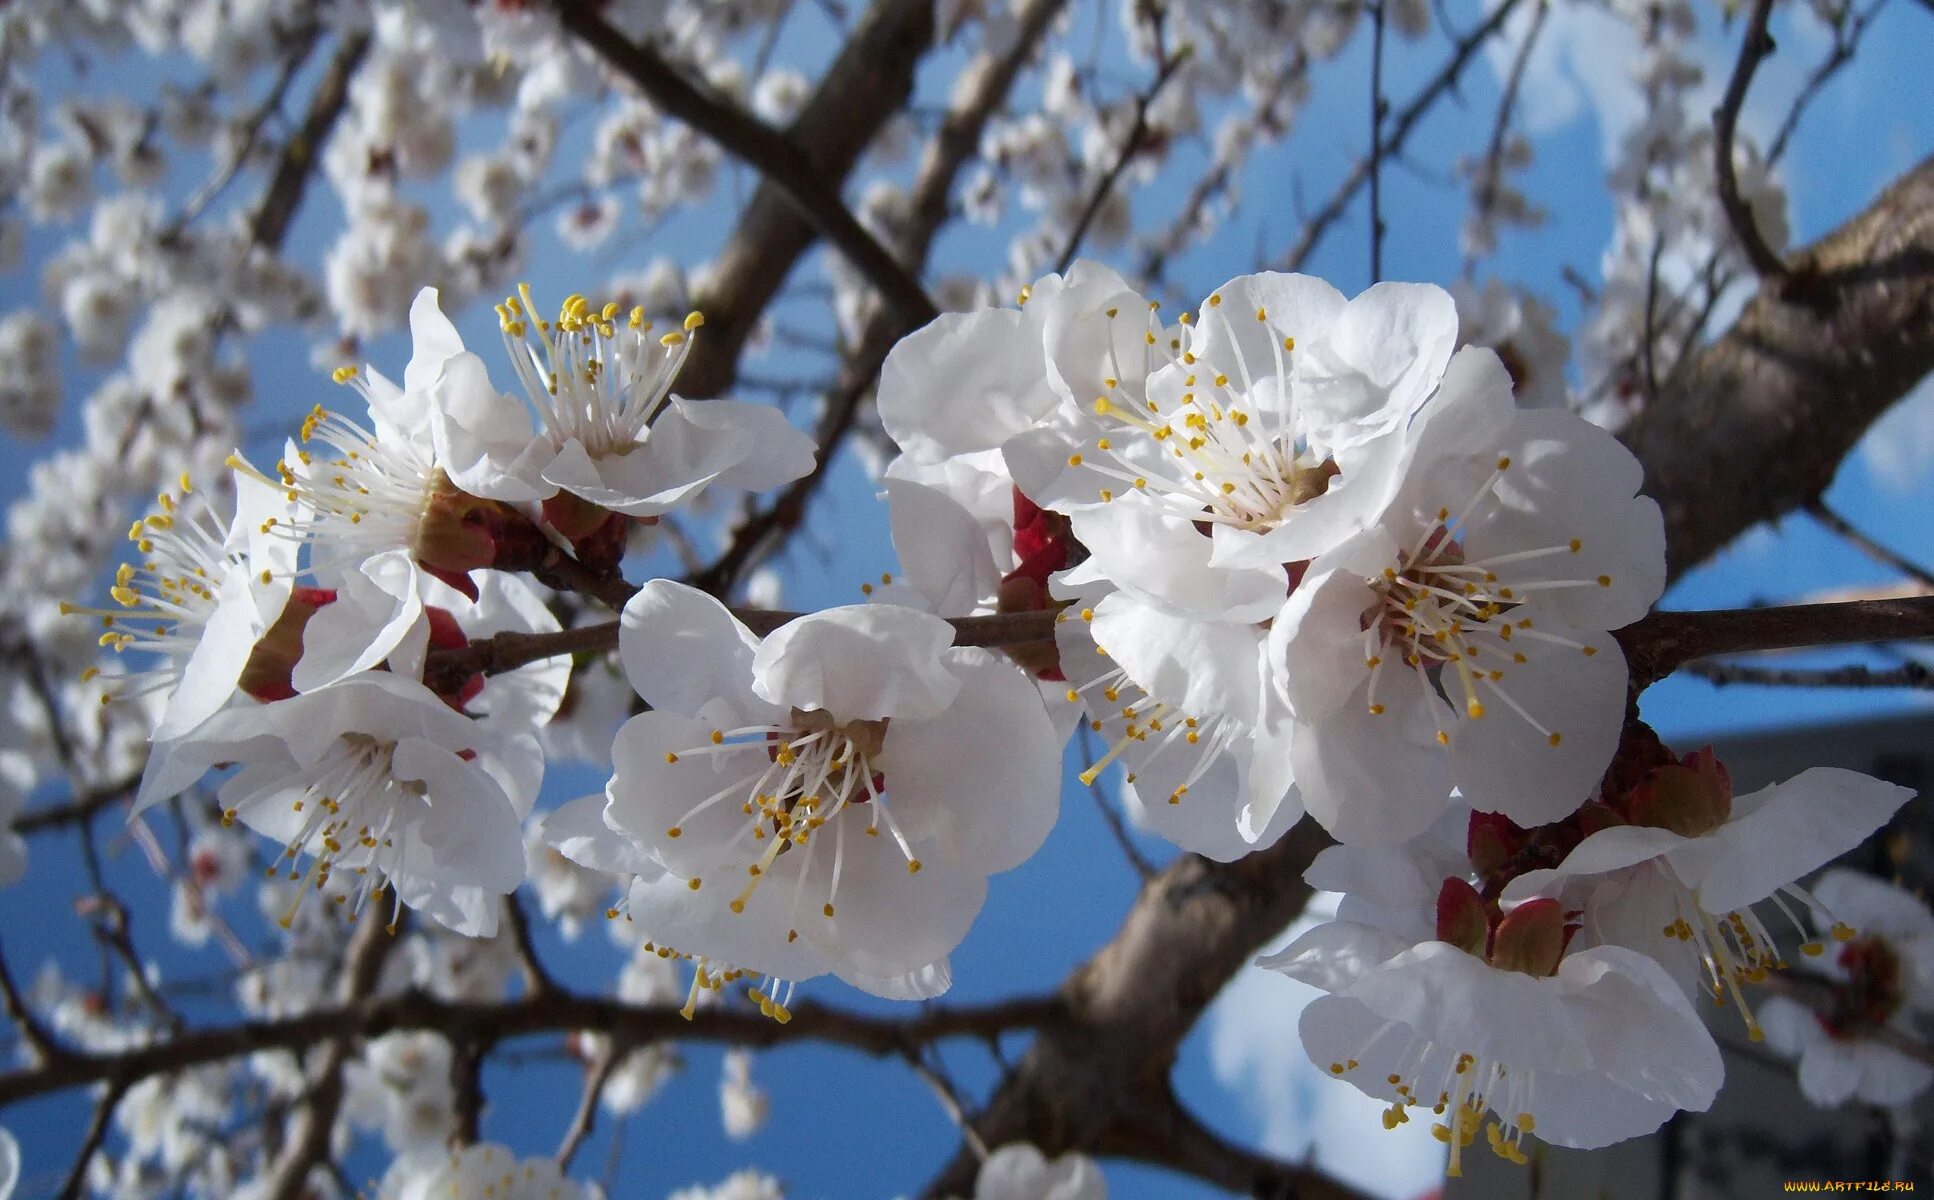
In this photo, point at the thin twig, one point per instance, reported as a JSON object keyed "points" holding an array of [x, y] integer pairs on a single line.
{"points": [[597, 1073], [1378, 109], [1845, 529], [1662, 640], [1492, 170], [1131, 146], [1845, 42], [536, 978], [1401, 126], [1753, 49], [97, 1127], [949, 1096], [1136, 859], [37, 1035]]}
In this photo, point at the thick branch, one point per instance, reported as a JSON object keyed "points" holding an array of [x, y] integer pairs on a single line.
{"points": [[1086, 1082], [1755, 425], [303, 151], [867, 82], [1163, 1133], [776, 156]]}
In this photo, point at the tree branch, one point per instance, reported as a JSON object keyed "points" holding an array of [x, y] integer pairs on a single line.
{"points": [[307, 1142], [1756, 424], [802, 169], [1085, 1082], [1401, 126], [1753, 49], [1908, 675], [1818, 510], [1664, 641], [552, 1012], [303, 151], [1130, 146], [596, 1074]]}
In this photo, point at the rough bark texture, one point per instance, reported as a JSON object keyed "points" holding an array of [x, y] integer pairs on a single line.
{"points": [[1755, 424]]}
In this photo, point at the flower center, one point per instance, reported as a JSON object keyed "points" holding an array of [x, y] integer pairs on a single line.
{"points": [[166, 599], [1146, 729], [791, 781], [1872, 992], [1736, 948], [351, 812], [596, 376], [1441, 614]]}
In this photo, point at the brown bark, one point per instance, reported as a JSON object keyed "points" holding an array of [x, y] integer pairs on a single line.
{"points": [[1755, 424]]}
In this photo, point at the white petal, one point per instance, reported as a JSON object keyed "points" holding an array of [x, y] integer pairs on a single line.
{"points": [[208, 679], [670, 912], [981, 780], [1382, 358], [1603, 852], [681, 648], [1874, 906], [965, 382], [1829, 1073], [1316, 647], [769, 450], [472, 830], [942, 549], [924, 984], [375, 606], [1333, 954], [863, 661], [1788, 830], [578, 831], [1161, 555], [1376, 778], [1228, 335], [649, 796], [887, 920], [1569, 480], [1203, 668], [9, 1164], [483, 438], [433, 341], [1505, 764]]}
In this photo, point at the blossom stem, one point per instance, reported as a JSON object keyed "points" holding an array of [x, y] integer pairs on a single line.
{"points": [[1654, 647]]}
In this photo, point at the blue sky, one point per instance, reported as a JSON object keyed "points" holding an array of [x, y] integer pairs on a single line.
{"points": [[846, 1126]]}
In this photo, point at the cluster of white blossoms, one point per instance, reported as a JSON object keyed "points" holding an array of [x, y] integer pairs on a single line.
{"points": [[1293, 553], [1309, 557]]}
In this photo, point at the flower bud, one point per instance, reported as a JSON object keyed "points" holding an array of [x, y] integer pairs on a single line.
{"points": [[1531, 938], [1462, 918]]}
